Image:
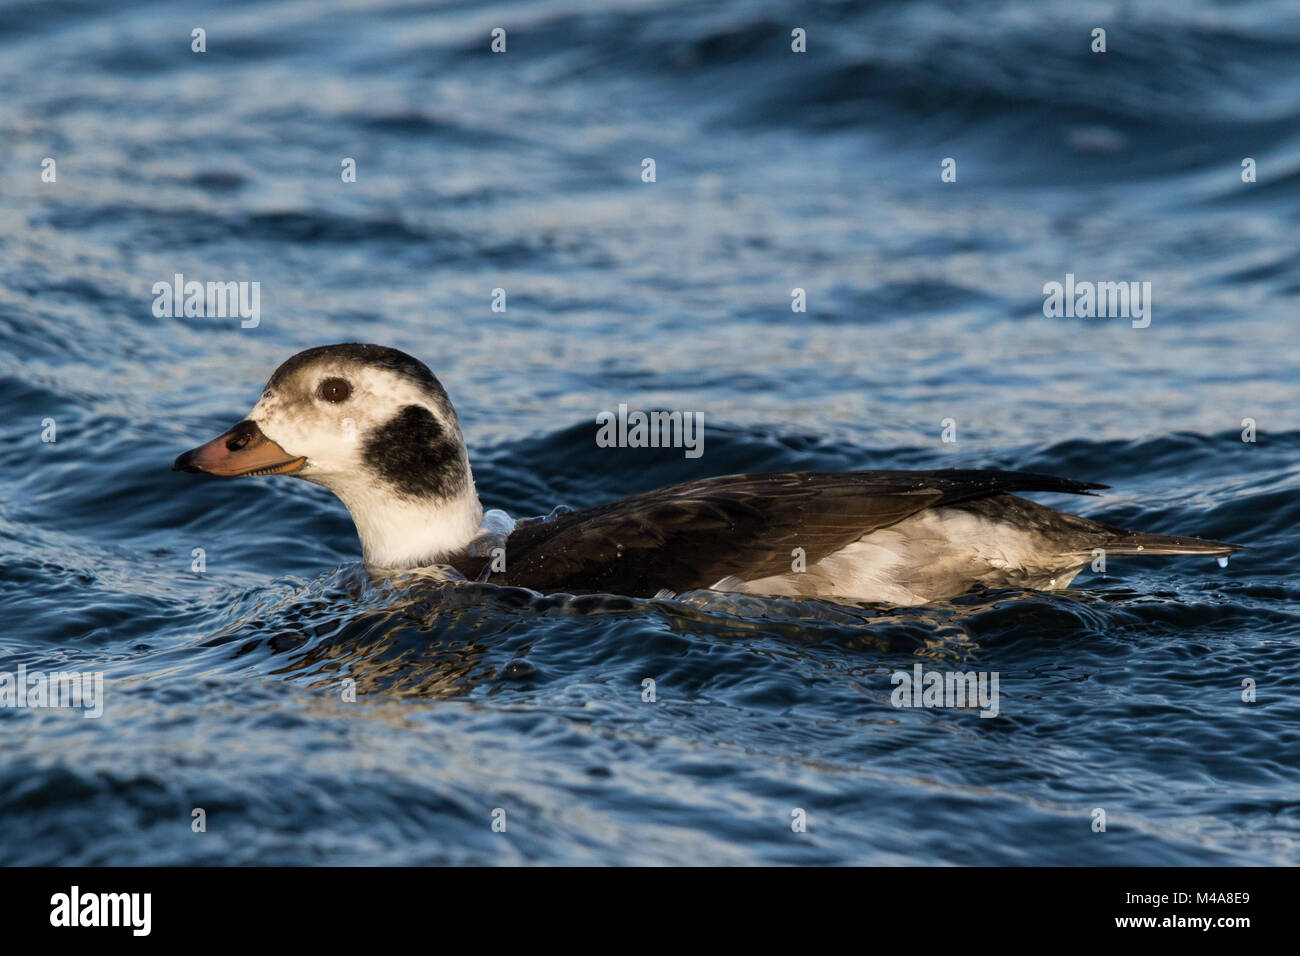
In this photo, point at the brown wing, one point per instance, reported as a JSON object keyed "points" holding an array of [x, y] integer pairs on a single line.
{"points": [[694, 534]]}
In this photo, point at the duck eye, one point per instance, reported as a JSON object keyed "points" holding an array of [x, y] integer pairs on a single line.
{"points": [[333, 390]]}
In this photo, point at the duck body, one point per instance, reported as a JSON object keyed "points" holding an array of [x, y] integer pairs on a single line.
{"points": [[899, 537], [375, 426]]}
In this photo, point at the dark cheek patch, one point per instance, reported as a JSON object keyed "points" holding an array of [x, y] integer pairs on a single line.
{"points": [[415, 455]]}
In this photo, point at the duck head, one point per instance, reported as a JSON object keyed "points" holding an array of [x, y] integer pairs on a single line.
{"points": [[374, 426]]}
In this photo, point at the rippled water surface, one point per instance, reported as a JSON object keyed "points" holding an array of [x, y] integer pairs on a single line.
{"points": [[775, 171]]}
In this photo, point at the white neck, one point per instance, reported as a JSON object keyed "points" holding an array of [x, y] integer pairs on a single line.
{"points": [[409, 533]]}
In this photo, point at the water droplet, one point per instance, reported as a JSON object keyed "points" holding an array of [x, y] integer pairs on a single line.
{"points": [[1223, 561], [517, 670]]}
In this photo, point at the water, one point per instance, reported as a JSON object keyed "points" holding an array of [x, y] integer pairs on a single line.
{"points": [[522, 171]]}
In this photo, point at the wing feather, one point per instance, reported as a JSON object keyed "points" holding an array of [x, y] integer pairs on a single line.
{"points": [[694, 534]]}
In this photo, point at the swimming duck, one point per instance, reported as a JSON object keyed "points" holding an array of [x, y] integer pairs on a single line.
{"points": [[374, 426]]}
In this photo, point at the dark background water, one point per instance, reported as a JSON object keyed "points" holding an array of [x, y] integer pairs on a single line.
{"points": [[774, 171]]}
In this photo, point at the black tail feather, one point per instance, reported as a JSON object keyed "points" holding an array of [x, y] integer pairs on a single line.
{"points": [[1137, 542]]}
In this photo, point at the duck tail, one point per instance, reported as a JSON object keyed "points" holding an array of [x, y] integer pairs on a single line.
{"points": [[1138, 542]]}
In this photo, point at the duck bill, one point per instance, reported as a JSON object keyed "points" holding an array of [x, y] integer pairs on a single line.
{"points": [[243, 450]]}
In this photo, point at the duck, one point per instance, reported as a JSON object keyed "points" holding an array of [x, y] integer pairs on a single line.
{"points": [[374, 425]]}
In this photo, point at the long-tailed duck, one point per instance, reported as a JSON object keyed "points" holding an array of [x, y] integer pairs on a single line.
{"points": [[375, 426]]}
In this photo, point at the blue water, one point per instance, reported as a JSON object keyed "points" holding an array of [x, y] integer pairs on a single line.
{"points": [[522, 171]]}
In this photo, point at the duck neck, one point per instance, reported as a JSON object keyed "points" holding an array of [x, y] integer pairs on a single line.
{"points": [[399, 532]]}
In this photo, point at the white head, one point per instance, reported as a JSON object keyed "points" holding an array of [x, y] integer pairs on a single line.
{"points": [[374, 426]]}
